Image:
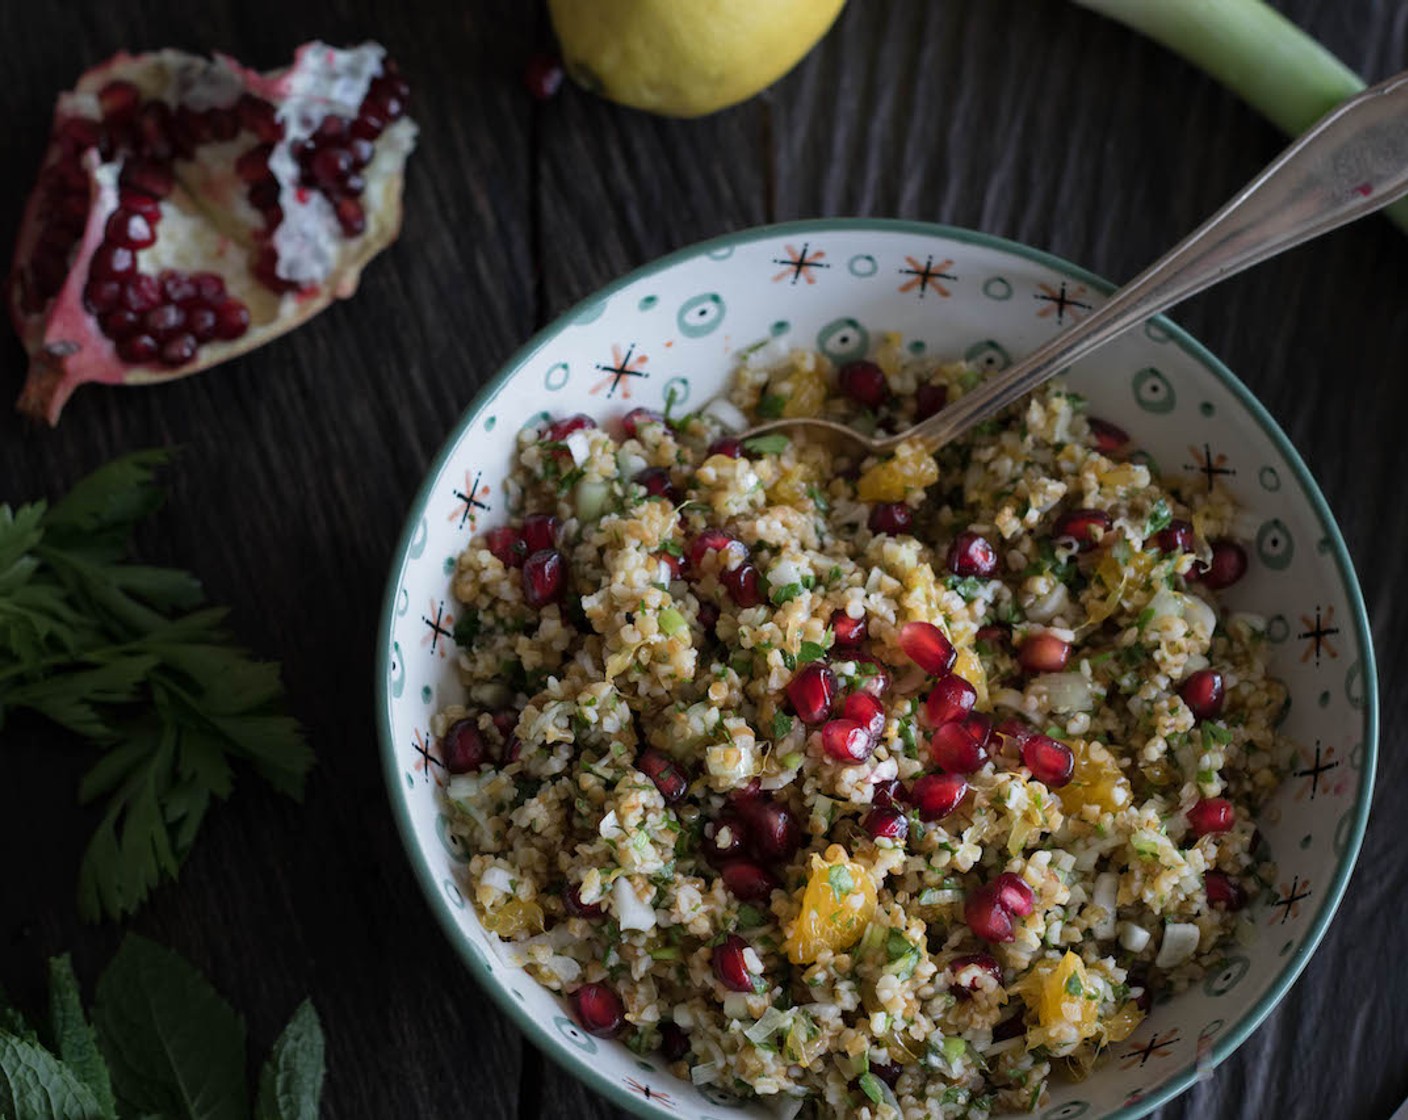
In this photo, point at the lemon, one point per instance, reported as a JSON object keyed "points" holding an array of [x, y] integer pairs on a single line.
{"points": [[685, 58]]}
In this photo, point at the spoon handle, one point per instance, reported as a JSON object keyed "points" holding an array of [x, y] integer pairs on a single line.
{"points": [[1353, 162]]}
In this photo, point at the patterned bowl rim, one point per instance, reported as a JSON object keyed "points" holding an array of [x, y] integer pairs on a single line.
{"points": [[428, 877]]}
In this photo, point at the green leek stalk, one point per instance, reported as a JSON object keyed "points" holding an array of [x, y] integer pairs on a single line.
{"points": [[1253, 50]]}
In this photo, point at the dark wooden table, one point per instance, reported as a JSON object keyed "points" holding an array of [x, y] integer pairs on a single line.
{"points": [[1034, 120]]}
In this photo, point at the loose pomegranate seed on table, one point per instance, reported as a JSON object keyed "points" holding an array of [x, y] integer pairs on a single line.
{"points": [[1211, 816], [1051, 762], [544, 577], [1043, 652], [937, 795], [731, 964], [1086, 527], [891, 517], [812, 691], [463, 748], [665, 772], [971, 555], [847, 741], [864, 382], [928, 647], [867, 711], [886, 823], [1227, 565], [850, 633], [950, 699], [748, 881], [599, 1010], [1203, 693]]}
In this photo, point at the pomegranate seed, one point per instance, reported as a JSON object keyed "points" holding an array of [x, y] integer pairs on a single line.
{"points": [[973, 965], [928, 647], [928, 399], [979, 728], [539, 532], [231, 319], [258, 116], [209, 287], [137, 348], [153, 179], [154, 130], [327, 166], [1043, 652], [708, 618], [463, 747], [164, 321], [744, 585], [1227, 565], [724, 839], [971, 555], [559, 430], [543, 75], [847, 741], [1050, 761], [661, 769], [361, 151], [1223, 890], [141, 293], [864, 382], [656, 481], [200, 321], [120, 323], [812, 692], [950, 699], [332, 128], [996, 635], [748, 881], [1016, 730], [1109, 438], [177, 286], [888, 1072], [891, 517], [1203, 694], [1014, 893], [370, 122], [111, 262], [1212, 815], [351, 217], [138, 203], [710, 540], [576, 908], [79, 133], [1176, 536], [224, 124], [889, 793], [866, 710], [1014, 1026], [886, 823], [253, 165], [1083, 526], [731, 966], [938, 795], [674, 563], [674, 1042], [850, 632], [101, 295], [987, 917], [637, 417], [772, 830], [544, 577], [955, 751], [119, 100], [872, 678], [599, 1010], [727, 446]]}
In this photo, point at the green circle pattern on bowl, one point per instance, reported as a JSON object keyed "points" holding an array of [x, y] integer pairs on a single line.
{"points": [[949, 293]]}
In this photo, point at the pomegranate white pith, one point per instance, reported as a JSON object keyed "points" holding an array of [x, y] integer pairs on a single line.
{"points": [[188, 210]]}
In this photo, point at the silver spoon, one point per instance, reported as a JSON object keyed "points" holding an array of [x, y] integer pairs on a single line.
{"points": [[1353, 162]]}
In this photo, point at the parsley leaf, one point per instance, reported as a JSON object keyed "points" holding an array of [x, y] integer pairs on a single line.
{"points": [[810, 651], [467, 628], [123, 655], [774, 443], [1073, 985], [781, 725], [1159, 518], [870, 1086], [771, 406], [784, 594], [841, 881]]}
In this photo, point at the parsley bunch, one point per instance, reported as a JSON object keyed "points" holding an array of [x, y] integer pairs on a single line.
{"points": [[126, 656], [160, 1041]]}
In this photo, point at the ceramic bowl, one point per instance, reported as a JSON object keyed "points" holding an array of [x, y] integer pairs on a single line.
{"points": [[670, 330]]}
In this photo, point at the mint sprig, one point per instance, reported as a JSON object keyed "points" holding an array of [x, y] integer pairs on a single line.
{"points": [[160, 1042], [125, 656]]}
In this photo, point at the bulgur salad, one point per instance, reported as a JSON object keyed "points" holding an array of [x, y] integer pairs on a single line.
{"points": [[868, 787]]}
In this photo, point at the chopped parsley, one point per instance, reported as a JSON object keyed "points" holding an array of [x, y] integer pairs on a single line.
{"points": [[775, 443], [970, 587], [870, 1086], [771, 406], [841, 881], [784, 594], [781, 725], [1159, 518], [467, 628], [1073, 985]]}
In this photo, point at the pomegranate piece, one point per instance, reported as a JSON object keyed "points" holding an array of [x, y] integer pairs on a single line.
{"points": [[890, 793], [938, 795], [968, 968], [1203, 693], [667, 775], [1227, 565], [851, 633], [950, 699], [674, 1042], [1211, 815], [971, 555], [506, 543], [731, 964], [1083, 526], [812, 692], [728, 447], [773, 833], [576, 908], [1176, 536], [886, 823], [637, 417], [987, 917], [110, 178], [847, 741], [864, 382], [928, 647], [463, 748], [1109, 439], [891, 517], [712, 540], [1051, 762], [1014, 894], [544, 577], [744, 585], [1224, 891], [748, 881], [725, 838], [599, 1010], [539, 531], [867, 711], [955, 751], [1043, 652], [928, 399]]}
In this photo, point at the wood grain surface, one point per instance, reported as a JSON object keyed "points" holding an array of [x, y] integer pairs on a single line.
{"points": [[1031, 119]]}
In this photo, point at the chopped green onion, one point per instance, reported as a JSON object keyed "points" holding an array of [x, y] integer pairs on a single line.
{"points": [[672, 622]]}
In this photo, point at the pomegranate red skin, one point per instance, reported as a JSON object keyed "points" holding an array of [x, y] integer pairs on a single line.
{"points": [[812, 692], [730, 966], [928, 647], [599, 1010]]}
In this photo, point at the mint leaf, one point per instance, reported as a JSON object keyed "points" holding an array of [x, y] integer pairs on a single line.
{"points": [[174, 1047], [35, 1085], [73, 1035], [291, 1082], [810, 651], [774, 443], [12, 1020]]}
